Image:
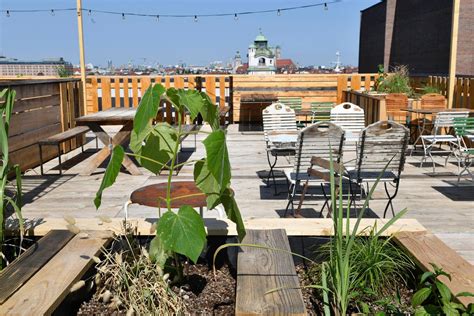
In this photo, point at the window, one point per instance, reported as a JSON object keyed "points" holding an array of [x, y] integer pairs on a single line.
{"points": [[261, 61]]}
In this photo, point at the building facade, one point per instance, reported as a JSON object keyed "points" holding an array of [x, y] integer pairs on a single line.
{"points": [[416, 33], [47, 67], [262, 60]]}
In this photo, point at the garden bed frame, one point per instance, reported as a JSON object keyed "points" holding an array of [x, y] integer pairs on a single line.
{"points": [[59, 267]]}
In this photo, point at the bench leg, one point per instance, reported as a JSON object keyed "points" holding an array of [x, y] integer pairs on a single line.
{"points": [[59, 158], [41, 159]]}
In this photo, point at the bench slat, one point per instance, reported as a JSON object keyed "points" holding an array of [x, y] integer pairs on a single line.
{"points": [[64, 136]]}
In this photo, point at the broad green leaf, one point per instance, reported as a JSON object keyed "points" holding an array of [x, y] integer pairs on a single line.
{"points": [[206, 182], [233, 213], [449, 310], [192, 101], [173, 97], [427, 310], [182, 232], [210, 112], [158, 148], [157, 252], [137, 140], [444, 291], [425, 276], [465, 294], [218, 157], [147, 110], [420, 296], [111, 173]]}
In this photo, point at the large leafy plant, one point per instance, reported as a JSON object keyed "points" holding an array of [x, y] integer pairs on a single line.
{"points": [[7, 99], [156, 147]]}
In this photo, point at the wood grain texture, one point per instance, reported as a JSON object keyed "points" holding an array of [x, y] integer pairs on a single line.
{"points": [[48, 287], [426, 248], [262, 270], [33, 259]]}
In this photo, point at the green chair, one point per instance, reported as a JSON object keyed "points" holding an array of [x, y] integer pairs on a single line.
{"points": [[464, 129], [321, 111], [296, 104]]}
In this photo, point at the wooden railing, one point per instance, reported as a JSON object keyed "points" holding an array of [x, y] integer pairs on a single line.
{"points": [[42, 108], [374, 106], [463, 89], [104, 92]]}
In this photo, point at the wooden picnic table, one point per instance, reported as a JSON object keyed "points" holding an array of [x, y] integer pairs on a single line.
{"points": [[114, 116]]}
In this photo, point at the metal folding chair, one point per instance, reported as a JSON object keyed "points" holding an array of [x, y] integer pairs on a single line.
{"points": [[464, 129]]}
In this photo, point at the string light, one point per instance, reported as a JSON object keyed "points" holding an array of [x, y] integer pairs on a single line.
{"points": [[157, 18], [236, 15]]}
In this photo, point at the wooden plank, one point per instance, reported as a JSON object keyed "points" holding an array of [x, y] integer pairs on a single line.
{"points": [[222, 91], [426, 248], [28, 157], [33, 259], [355, 82], [210, 86], [458, 94], [145, 83], [117, 91], [64, 113], [135, 91], [293, 227], [126, 100], [106, 97], [262, 270], [36, 90], [32, 137], [95, 99], [43, 293], [36, 103], [31, 120]]}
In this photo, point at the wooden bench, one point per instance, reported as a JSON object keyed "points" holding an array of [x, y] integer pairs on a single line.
{"points": [[42, 277], [58, 139], [260, 271]]}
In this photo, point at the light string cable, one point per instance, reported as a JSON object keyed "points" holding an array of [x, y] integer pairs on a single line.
{"points": [[235, 15]]}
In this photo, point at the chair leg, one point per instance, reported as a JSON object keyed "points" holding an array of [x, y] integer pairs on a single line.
{"points": [[271, 173], [290, 198], [305, 188], [390, 198], [41, 159], [59, 158]]}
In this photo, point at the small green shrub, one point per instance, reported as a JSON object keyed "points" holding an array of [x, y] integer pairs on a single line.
{"points": [[430, 89], [396, 82]]}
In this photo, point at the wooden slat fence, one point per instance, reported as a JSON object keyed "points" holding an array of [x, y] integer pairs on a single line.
{"points": [[104, 92], [42, 109], [374, 106]]}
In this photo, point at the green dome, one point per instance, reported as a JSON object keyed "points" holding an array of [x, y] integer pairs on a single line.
{"points": [[260, 38]]}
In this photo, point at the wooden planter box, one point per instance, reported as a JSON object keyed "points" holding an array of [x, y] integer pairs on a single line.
{"points": [[41, 278]]}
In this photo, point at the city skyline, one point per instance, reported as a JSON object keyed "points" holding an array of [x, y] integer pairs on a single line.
{"points": [[140, 41]]}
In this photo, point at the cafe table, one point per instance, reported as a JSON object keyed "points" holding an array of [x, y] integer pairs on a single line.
{"points": [[96, 121]]}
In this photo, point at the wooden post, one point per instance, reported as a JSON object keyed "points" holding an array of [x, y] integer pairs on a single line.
{"points": [[453, 53], [81, 52]]}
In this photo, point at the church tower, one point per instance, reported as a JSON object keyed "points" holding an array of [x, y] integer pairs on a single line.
{"points": [[262, 59]]}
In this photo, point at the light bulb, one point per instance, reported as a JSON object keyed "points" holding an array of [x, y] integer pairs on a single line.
{"points": [[195, 18], [89, 13], [278, 12], [236, 17], [8, 13], [52, 12], [157, 18], [123, 16], [325, 6]]}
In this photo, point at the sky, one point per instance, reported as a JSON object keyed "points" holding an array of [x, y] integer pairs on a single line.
{"points": [[309, 36]]}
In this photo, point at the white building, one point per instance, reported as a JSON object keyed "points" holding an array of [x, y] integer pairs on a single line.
{"points": [[262, 60]]}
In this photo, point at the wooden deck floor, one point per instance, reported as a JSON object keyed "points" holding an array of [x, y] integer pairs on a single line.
{"points": [[435, 200]]}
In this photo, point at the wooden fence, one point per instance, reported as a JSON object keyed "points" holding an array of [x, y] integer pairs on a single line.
{"points": [[104, 92], [42, 108], [374, 106], [463, 89]]}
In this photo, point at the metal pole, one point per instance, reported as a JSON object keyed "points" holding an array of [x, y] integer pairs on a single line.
{"points": [[453, 53], [82, 57]]}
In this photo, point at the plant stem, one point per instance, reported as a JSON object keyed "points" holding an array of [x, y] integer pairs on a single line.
{"points": [[173, 161]]}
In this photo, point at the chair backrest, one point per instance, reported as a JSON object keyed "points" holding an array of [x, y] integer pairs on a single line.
{"points": [[445, 120], [463, 126], [394, 102], [433, 101], [317, 140], [294, 103], [382, 143], [321, 111], [277, 117], [350, 117]]}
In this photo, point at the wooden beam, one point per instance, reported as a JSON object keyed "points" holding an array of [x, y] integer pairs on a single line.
{"points": [[220, 227], [426, 248], [262, 270], [453, 52], [82, 56]]}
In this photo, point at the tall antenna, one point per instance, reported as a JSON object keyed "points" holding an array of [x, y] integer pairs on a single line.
{"points": [[337, 63]]}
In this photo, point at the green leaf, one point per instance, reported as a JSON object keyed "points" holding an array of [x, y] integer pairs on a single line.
{"points": [[465, 294], [111, 173], [158, 148], [444, 291], [207, 183], [182, 232], [420, 296], [425, 276], [173, 97], [192, 101], [209, 112], [449, 310], [218, 157], [157, 252], [427, 310], [233, 213], [147, 110]]}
